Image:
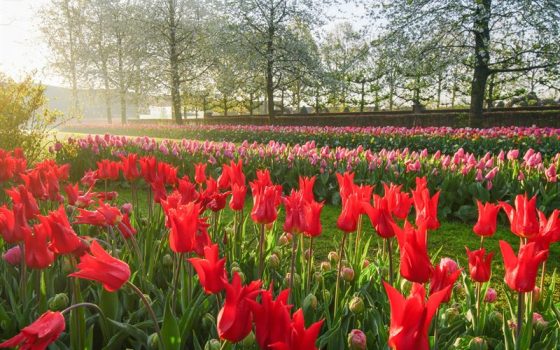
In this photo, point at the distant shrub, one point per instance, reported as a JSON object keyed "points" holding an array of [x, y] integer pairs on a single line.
{"points": [[25, 121]]}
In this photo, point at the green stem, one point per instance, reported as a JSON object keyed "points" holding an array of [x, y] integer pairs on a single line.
{"points": [[176, 269], [292, 268], [520, 299], [261, 250], [309, 263], [340, 257], [436, 318], [390, 249], [150, 311]]}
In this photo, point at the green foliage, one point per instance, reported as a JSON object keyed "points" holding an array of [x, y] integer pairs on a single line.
{"points": [[24, 118]]}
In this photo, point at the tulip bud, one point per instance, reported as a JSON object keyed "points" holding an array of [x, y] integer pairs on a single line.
{"points": [[539, 321], [235, 268], [347, 274], [167, 260], [491, 295], [212, 344], [478, 343], [450, 264], [308, 254], [366, 263], [249, 340], [242, 276], [284, 239], [333, 257], [536, 294], [126, 208], [318, 277], [297, 280], [357, 340], [153, 341], [13, 256], [496, 319], [450, 315], [310, 301], [273, 261], [326, 296], [512, 324], [356, 305], [59, 302], [325, 266]]}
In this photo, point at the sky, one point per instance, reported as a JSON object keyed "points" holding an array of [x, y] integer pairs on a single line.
{"points": [[22, 50]]}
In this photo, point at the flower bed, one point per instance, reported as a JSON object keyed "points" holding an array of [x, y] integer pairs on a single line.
{"points": [[443, 139], [191, 268]]}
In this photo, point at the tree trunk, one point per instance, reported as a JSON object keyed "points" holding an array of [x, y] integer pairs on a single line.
{"points": [[122, 83], [107, 93], [174, 65], [270, 67], [282, 103], [490, 97], [482, 58], [363, 93], [251, 98], [440, 80], [317, 101]]}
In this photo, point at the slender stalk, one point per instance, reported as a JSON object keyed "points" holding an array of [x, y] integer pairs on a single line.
{"points": [[357, 242], [176, 269], [390, 248], [224, 344], [292, 268], [478, 291], [103, 324], [481, 241], [150, 311], [520, 299], [340, 257], [542, 277], [309, 263], [23, 275], [436, 318], [261, 252]]}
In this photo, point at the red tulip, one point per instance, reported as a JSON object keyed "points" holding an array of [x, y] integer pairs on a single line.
{"points": [[380, 217], [188, 230], [39, 334], [129, 166], [235, 318], [167, 173], [187, 190], [549, 230], [521, 270], [312, 219], [72, 193], [411, 317], [238, 194], [7, 166], [295, 212], [487, 216], [415, 263], [300, 338], [441, 279], [108, 170], [210, 270], [7, 226], [306, 187], [148, 168], [34, 182], [21, 195], [101, 267], [426, 206], [399, 203], [37, 253], [158, 189], [351, 210], [231, 175], [125, 227], [265, 203], [63, 238], [104, 215], [212, 198], [53, 187], [200, 173], [263, 179], [89, 179], [272, 318], [523, 219], [480, 265], [346, 185]]}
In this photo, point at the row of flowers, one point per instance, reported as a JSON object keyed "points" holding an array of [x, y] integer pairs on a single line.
{"points": [[53, 228], [464, 177], [444, 139]]}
